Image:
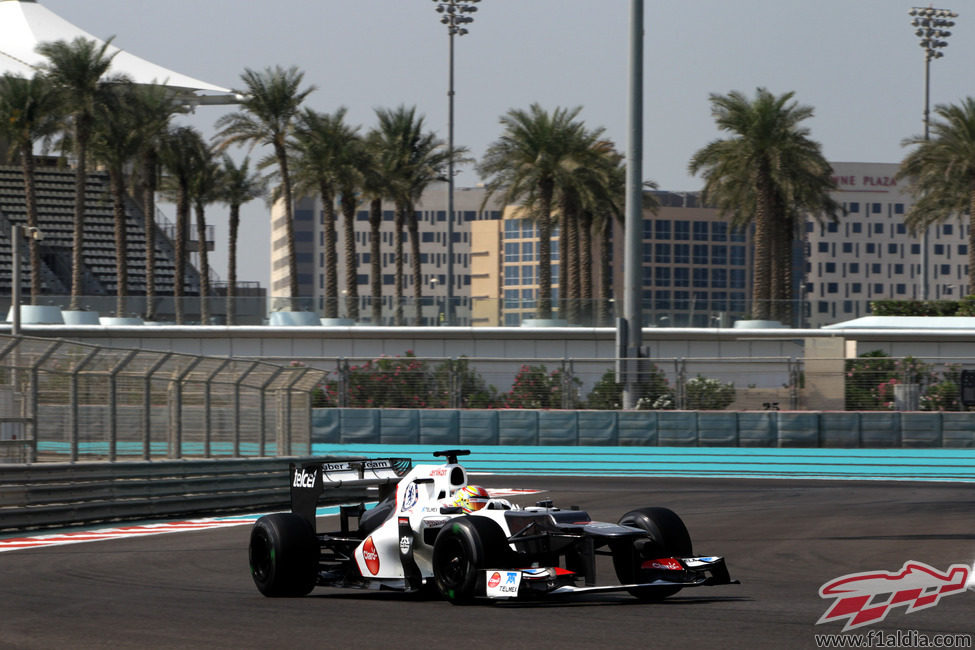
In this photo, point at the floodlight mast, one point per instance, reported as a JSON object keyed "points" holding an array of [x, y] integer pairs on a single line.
{"points": [[932, 29], [455, 14]]}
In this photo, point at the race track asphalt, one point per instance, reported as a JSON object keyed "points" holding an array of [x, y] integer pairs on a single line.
{"points": [[782, 538]]}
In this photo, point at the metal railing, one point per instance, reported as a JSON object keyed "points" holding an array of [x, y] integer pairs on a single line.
{"points": [[71, 400]]}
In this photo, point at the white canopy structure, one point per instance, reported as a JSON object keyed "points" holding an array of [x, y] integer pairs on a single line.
{"points": [[25, 23]]}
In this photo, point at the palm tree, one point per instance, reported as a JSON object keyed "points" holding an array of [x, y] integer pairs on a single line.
{"points": [[77, 70], [375, 187], [414, 159], [941, 172], [204, 189], [272, 100], [114, 143], [766, 171], [28, 112], [537, 150], [325, 152], [239, 186], [178, 151], [155, 107]]}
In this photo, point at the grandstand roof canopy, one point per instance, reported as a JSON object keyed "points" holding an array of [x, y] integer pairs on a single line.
{"points": [[26, 23]]}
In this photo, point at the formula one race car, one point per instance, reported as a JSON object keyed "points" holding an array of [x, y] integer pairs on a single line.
{"points": [[431, 529]]}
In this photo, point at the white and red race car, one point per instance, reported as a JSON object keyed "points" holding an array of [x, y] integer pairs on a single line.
{"points": [[431, 529]]}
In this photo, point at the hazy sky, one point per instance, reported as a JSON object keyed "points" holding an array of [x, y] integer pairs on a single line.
{"points": [[857, 62]]}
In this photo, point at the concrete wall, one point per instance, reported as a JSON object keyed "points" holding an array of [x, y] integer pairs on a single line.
{"points": [[644, 428]]}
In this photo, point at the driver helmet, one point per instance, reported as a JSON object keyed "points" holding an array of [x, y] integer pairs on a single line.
{"points": [[471, 498]]}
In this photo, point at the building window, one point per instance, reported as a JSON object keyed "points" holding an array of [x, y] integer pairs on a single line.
{"points": [[682, 253], [947, 229], [901, 229], [847, 247], [662, 251], [832, 287], [875, 268], [682, 230], [939, 249], [528, 251], [832, 226], [823, 247], [945, 269], [511, 299], [854, 206], [719, 232], [878, 288], [901, 289], [877, 208], [719, 254], [700, 253], [661, 229], [511, 251], [898, 208], [700, 230], [511, 276], [857, 228], [855, 287], [528, 274], [719, 278], [682, 277], [878, 228], [963, 249], [737, 256], [854, 267], [871, 248], [892, 249], [647, 253], [736, 278], [831, 267], [701, 278], [662, 276]]}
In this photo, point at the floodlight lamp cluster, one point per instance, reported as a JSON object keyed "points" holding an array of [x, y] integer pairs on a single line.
{"points": [[456, 13], [932, 28]]}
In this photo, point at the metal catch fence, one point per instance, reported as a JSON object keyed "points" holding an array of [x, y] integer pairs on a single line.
{"points": [[61, 400]]}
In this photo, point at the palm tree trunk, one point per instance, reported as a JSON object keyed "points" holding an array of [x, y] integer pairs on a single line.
{"points": [[78, 238], [179, 273], [563, 268], [289, 226], [545, 250], [30, 199], [331, 256], [585, 267], [971, 238], [375, 275], [414, 228], [116, 180], [149, 214], [398, 234], [232, 264], [761, 290], [349, 205], [201, 243], [569, 256]]}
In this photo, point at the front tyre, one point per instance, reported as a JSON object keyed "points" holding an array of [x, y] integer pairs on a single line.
{"points": [[463, 549], [668, 538], [283, 555]]}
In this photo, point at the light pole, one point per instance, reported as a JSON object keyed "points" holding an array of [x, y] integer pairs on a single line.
{"points": [[454, 14], [16, 235], [932, 29]]}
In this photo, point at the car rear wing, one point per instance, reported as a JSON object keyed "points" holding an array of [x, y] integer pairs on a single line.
{"points": [[309, 480]]}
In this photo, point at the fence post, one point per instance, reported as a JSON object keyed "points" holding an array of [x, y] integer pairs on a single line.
{"points": [[147, 405], [240, 380], [794, 378], [113, 404], [34, 395], [263, 410], [176, 421], [343, 382], [74, 403]]}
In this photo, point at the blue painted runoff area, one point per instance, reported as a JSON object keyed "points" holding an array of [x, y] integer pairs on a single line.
{"points": [[855, 464]]}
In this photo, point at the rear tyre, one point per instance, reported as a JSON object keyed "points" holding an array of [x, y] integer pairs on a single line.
{"points": [[463, 549], [668, 538], [283, 555]]}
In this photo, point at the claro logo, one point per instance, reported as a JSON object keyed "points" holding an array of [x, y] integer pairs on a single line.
{"points": [[304, 479], [371, 557]]}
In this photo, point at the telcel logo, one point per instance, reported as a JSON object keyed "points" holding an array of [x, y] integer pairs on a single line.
{"points": [[304, 479]]}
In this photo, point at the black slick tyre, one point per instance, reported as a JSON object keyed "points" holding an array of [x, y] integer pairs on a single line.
{"points": [[668, 538], [463, 549], [283, 555]]}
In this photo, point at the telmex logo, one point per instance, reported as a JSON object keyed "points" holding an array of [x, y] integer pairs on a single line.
{"points": [[916, 586]]}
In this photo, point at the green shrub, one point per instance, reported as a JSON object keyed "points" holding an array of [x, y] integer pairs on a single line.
{"points": [[708, 394]]}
